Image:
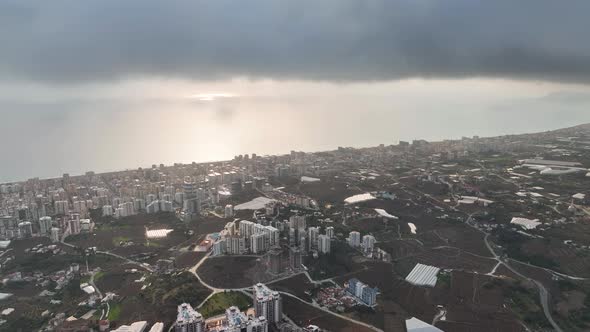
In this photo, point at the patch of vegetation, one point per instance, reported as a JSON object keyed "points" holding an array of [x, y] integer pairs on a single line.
{"points": [[443, 279], [115, 311], [98, 275], [524, 304], [337, 262], [178, 288], [29, 321], [117, 240], [217, 304], [513, 243], [153, 244], [45, 263]]}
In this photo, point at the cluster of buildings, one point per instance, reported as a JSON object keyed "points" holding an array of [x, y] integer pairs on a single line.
{"points": [[240, 237], [69, 200], [366, 294], [56, 229], [366, 243], [268, 310], [292, 237]]}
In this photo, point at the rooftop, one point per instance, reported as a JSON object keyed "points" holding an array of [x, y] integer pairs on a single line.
{"points": [[423, 275]]}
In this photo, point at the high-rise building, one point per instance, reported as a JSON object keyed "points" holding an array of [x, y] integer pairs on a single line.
{"points": [[275, 260], [258, 243], [125, 209], [330, 232], [166, 206], [246, 228], [81, 207], [153, 207], [297, 222], [354, 239], [362, 291], [292, 236], [237, 321], [294, 258], [268, 303], [312, 237], [189, 320], [235, 245], [107, 210], [75, 226], [219, 247], [188, 188], [25, 229], [148, 199], [55, 233], [179, 198], [229, 211], [191, 201], [61, 207], [272, 234], [368, 243], [139, 204], [45, 225], [324, 244]]}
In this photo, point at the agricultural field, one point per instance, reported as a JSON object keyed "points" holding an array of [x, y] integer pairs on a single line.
{"points": [[304, 314], [233, 271], [298, 285]]}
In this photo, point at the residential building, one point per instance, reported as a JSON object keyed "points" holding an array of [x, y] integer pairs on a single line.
{"points": [[294, 258], [268, 303], [362, 291], [45, 225], [312, 237], [354, 239], [368, 243], [189, 320], [330, 232], [324, 244]]}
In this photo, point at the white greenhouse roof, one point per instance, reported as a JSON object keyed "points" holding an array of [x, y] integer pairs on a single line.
{"points": [[157, 233], [385, 214], [423, 275], [526, 223], [415, 325]]}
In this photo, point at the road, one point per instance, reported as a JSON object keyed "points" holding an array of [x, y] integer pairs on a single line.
{"points": [[543, 293], [130, 261], [91, 283], [315, 305], [215, 290]]}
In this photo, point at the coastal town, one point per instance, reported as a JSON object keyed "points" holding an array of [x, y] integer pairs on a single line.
{"points": [[471, 234]]}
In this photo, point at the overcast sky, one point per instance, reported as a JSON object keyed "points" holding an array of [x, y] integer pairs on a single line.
{"points": [[65, 57], [335, 40]]}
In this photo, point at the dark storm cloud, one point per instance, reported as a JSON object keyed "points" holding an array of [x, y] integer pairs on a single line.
{"points": [[338, 40]]}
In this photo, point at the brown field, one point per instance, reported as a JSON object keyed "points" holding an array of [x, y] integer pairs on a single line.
{"points": [[304, 314], [463, 237], [445, 258], [476, 303], [296, 285], [233, 271], [188, 259], [108, 237], [118, 281], [578, 232], [326, 191], [397, 297], [569, 260]]}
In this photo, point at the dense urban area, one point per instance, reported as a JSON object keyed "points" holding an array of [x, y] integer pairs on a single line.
{"points": [[474, 234]]}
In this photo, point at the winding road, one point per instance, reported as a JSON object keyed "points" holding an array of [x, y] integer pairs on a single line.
{"points": [[215, 290]]}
